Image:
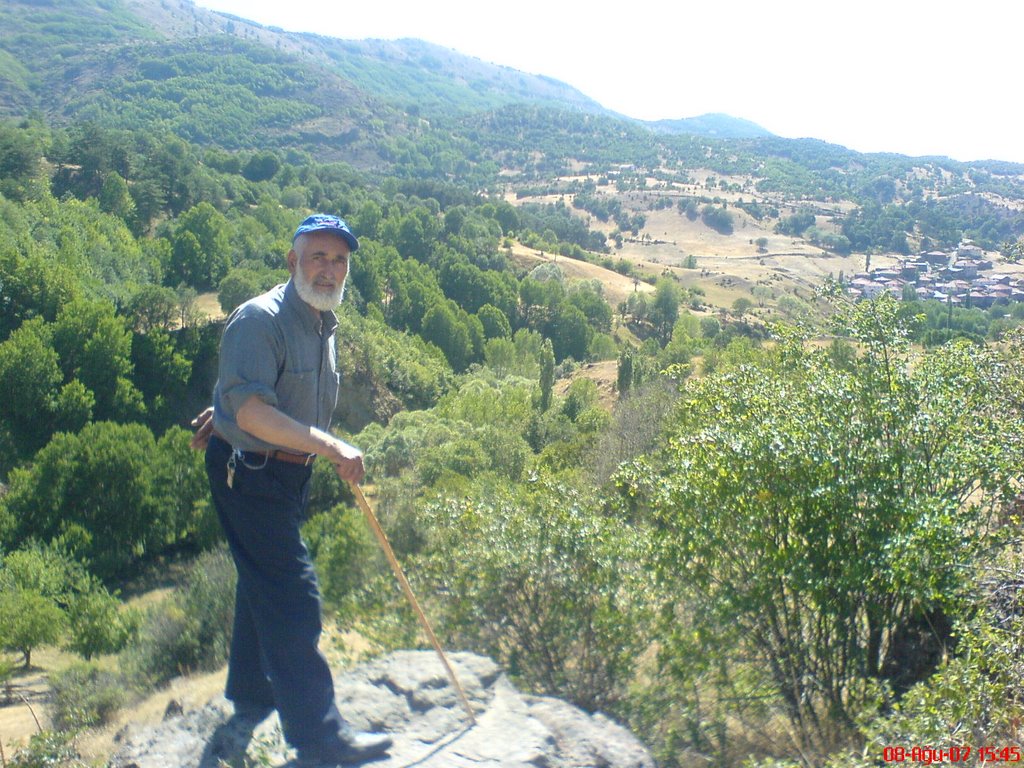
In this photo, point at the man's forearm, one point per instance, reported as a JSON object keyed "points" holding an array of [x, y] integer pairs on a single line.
{"points": [[272, 426]]}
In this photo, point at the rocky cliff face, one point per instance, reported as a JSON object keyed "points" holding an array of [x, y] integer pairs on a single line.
{"points": [[408, 695]]}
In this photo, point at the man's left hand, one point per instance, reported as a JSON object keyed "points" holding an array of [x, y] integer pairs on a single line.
{"points": [[203, 425], [351, 470], [348, 462]]}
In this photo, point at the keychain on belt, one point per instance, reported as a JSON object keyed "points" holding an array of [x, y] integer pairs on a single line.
{"points": [[231, 469]]}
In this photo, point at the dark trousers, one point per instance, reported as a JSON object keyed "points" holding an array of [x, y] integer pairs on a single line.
{"points": [[275, 657]]}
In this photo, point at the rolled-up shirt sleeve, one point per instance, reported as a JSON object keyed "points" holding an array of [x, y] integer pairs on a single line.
{"points": [[250, 360]]}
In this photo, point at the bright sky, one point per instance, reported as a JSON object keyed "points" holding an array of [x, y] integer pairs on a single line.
{"points": [[916, 77]]}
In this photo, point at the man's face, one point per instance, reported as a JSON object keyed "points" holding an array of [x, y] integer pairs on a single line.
{"points": [[318, 262]]}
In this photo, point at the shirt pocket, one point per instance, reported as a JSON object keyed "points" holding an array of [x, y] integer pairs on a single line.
{"points": [[296, 395]]}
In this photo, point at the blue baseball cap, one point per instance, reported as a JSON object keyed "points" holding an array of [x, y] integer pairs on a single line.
{"points": [[324, 222]]}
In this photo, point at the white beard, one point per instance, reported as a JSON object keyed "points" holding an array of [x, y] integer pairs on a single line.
{"points": [[318, 298]]}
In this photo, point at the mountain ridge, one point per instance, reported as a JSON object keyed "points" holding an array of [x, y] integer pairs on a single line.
{"points": [[415, 76]]}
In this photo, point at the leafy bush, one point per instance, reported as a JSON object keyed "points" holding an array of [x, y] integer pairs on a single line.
{"points": [[49, 749], [85, 696], [542, 582], [192, 629], [343, 549], [812, 514], [973, 700]]}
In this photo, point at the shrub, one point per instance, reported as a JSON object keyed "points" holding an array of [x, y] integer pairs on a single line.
{"points": [[49, 749], [342, 547], [816, 519], [85, 696], [192, 629], [543, 583]]}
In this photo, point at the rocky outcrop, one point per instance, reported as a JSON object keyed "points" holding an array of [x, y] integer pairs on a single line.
{"points": [[408, 695]]}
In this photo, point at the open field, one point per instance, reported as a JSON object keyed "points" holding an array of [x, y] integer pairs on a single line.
{"points": [[208, 306], [728, 267], [617, 287]]}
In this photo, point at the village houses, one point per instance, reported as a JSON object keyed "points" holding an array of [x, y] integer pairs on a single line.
{"points": [[964, 277]]}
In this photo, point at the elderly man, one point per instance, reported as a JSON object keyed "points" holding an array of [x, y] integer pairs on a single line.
{"points": [[276, 391]]}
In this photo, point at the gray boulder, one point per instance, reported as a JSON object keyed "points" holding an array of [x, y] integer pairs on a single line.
{"points": [[408, 695]]}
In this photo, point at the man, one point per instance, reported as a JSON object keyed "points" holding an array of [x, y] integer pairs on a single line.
{"points": [[276, 390]]}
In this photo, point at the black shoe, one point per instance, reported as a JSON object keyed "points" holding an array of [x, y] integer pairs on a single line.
{"points": [[348, 749]]}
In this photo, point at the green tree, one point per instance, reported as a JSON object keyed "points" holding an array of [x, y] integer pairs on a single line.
{"points": [[95, 344], [30, 375], [97, 622], [664, 310], [343, 549], [240, 285], [547, 375], [624, 377], [38, 569], [28, 620], [115, 198], [150, 307], [741, 306], [161, 373], [262, 166], [808, 516], [495, 322], [710, 327], [181, 495], [719, 219], [442, 327], [587, 296], [570, 333], [200, 248], [93, 492], [20, 166]]}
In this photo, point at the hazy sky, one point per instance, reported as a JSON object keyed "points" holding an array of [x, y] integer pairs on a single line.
{"points": [[917, 77]]}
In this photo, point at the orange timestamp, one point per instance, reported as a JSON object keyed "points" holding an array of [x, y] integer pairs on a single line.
{"points": [[961, 754]]}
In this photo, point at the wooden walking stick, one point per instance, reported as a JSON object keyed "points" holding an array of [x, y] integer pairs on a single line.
{"points": [[382, 538]]}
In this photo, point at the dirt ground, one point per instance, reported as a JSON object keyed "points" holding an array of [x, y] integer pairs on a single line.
{"points": [[23, 703], [209, 306], [604, 373]]}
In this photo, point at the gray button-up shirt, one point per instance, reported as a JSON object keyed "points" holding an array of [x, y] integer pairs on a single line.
{"points": [[277, 348]]}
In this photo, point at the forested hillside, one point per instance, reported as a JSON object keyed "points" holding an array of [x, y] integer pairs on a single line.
{"points": [[784, 531]]}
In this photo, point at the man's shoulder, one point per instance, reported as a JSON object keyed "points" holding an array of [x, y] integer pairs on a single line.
{"points": [[265, 305]]}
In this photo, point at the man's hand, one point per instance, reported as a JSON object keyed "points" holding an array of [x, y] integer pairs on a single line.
{"points": [[203, 425], [348, 463]]}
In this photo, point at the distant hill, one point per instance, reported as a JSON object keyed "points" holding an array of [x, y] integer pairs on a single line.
{"points": [[427, 78], [77, 57], [713, 124]]}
